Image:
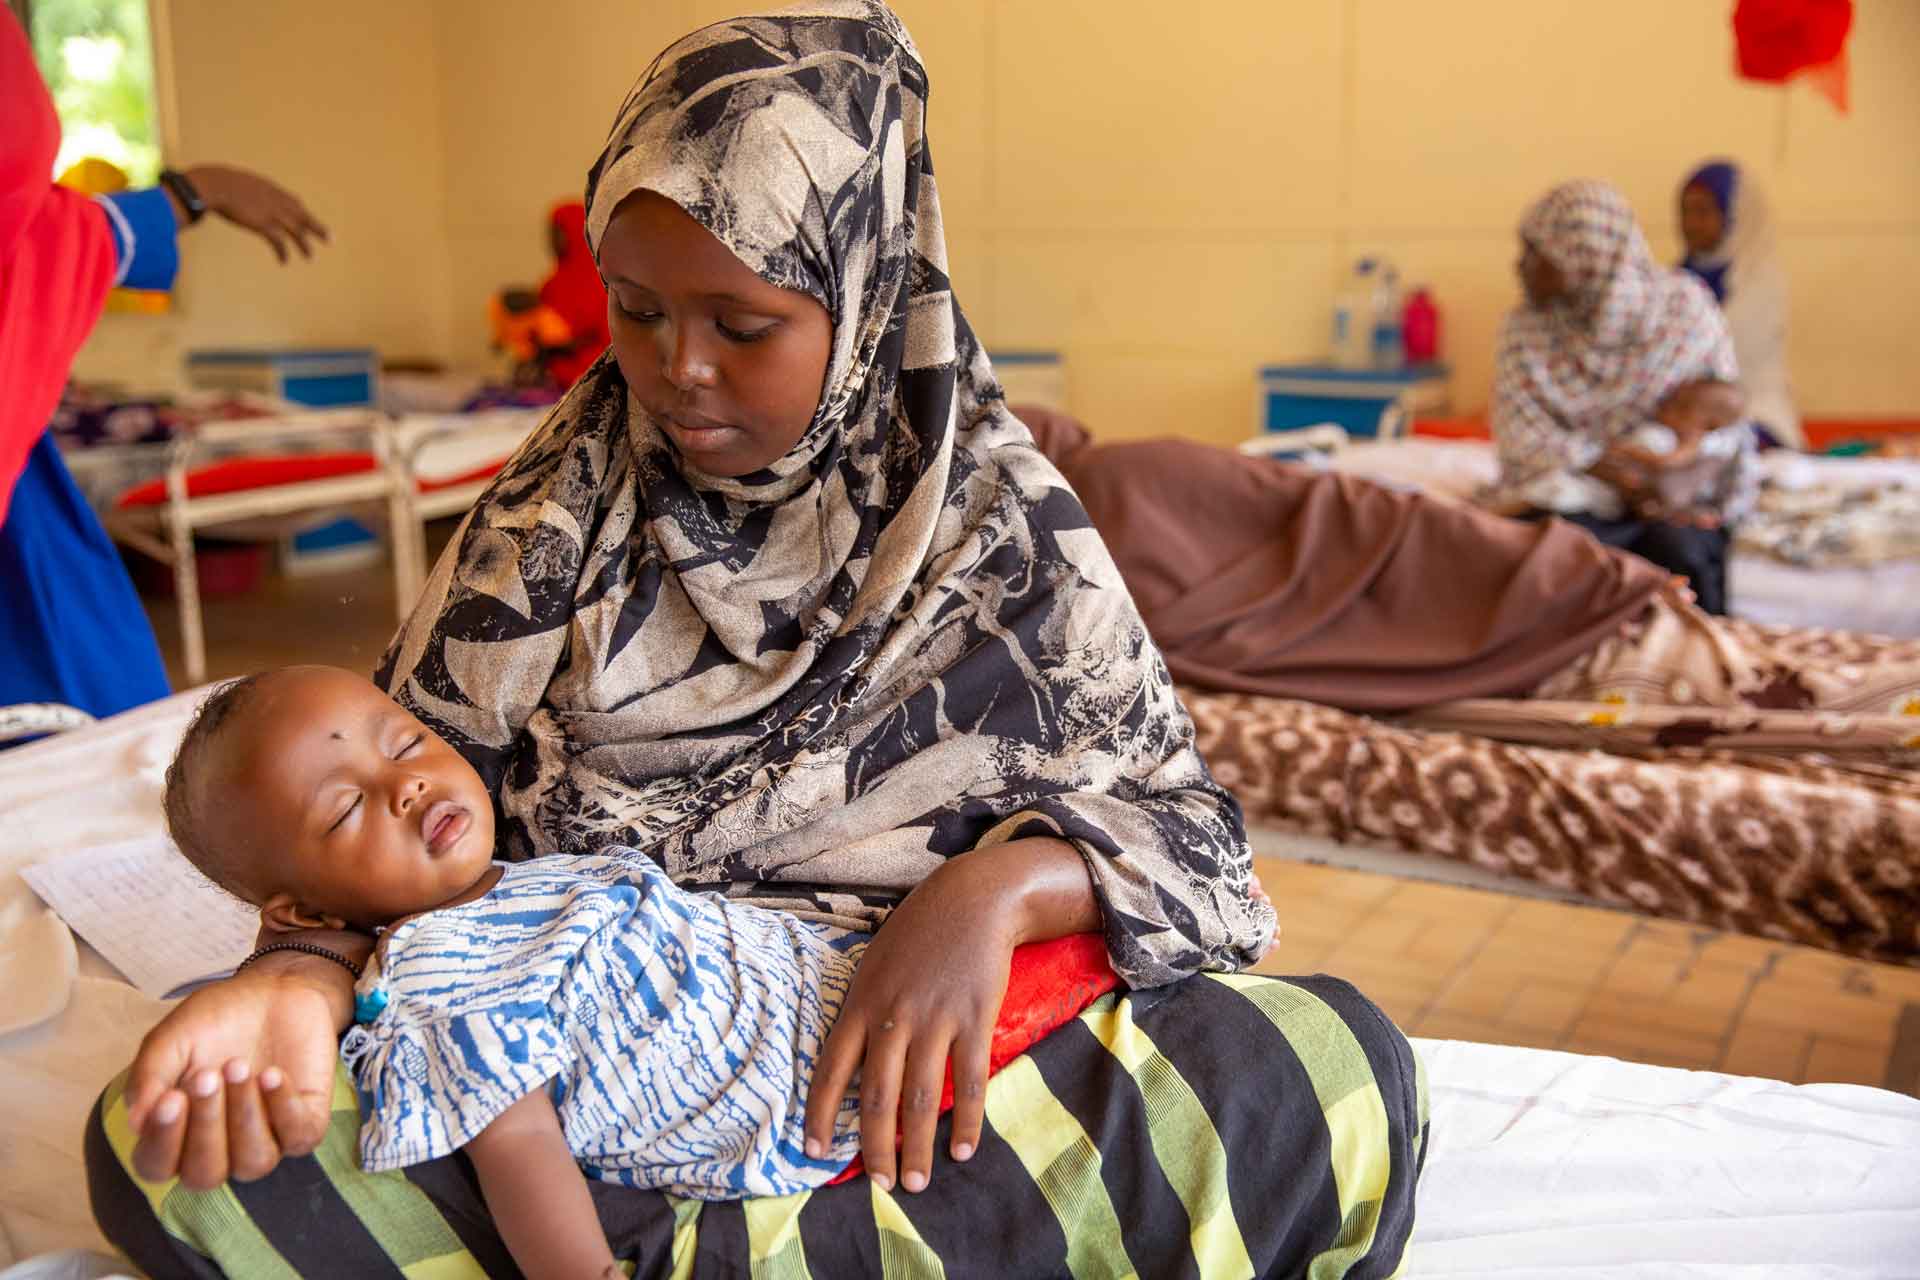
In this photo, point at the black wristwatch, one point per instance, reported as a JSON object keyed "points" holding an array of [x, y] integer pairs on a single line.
{"points": [[186, 193]]}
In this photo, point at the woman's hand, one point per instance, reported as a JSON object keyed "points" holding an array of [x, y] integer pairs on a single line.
{"points": [[1696, 518], [930, 986], [1258, 892], [240, 1074], [1507, 505], [259, 205], [1622, 467]]}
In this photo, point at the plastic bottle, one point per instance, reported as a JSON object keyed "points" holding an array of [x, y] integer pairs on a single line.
{"points": [[1386, 349], [1353, 318], [1420, 327]]}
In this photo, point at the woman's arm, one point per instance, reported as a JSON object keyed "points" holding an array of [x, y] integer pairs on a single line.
{"points": [[538, 1197], [1624, 469], [241, 1072], [252, 203]]}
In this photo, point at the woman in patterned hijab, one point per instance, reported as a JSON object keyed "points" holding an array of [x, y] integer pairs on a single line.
{"points": [[1606, 336], [808, 636], [782, 595]]}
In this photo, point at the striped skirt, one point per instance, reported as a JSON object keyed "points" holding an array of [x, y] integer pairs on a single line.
{"points": [[1229, 1125]]}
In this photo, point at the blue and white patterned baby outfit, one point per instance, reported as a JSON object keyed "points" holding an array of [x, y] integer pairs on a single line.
{"points": [[680, 1030]]}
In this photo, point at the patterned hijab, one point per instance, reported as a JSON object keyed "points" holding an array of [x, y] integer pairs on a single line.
{"points": [[1578, 373], [898, 642]]}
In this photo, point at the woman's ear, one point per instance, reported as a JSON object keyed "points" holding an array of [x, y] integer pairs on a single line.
{"points": [[282, 914]]}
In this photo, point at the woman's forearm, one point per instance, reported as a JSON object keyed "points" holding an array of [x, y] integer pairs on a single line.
{"points": [[321, 974], [1042, 881]]}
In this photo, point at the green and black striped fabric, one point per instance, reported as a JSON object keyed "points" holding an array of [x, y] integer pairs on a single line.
{"points": [[1226, 1126]]}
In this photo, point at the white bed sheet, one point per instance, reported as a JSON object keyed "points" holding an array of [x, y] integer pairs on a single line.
{"points": [[1883, 598], [464, 442], [1557, 1164], [1540, 1163]]}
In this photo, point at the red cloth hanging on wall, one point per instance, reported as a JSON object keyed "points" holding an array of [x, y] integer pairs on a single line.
{"points": [[1776, 40]]}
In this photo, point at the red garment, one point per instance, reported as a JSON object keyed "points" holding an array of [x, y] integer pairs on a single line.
{"points": [[577, 293], [56, 260]]}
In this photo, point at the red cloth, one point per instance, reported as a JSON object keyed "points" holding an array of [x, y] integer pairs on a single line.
{"points": [[1775, 40], [56, 260], [577, 293], [1048, 984], [237, 474]]}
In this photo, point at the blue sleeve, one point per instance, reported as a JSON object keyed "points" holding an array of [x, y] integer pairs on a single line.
{"points": [[146, 239]]}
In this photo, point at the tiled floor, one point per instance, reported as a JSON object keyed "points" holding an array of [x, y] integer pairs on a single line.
{"points": [[1467, 964], [1443, 961]]}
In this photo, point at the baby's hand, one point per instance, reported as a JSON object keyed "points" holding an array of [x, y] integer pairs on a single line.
{"points": [[1504, 504], [1638, 455], [1684, 517], [1688, 431], [1695, 518]]}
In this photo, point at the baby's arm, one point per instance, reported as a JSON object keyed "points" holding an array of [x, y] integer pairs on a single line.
{"points": [[538, 1196]]}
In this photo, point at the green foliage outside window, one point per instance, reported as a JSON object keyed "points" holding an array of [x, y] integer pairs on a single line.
{"points": [[97, 56]]}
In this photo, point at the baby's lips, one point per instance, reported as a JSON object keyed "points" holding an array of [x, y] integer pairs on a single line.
{"points": [[436, 813]]}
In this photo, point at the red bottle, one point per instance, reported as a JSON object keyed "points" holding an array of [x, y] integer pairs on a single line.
{"points": [[1420, 328]]}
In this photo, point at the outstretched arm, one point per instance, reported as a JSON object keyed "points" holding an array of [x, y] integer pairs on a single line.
{"points": [[254, 203], [538, 1197], [241, 1072]]}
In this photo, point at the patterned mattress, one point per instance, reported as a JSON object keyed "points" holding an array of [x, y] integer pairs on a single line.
{"points": [[1808, 851]]}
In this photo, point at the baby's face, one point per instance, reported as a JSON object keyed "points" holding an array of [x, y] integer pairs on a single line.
{"points": [[363, 813], [1705, 407]]}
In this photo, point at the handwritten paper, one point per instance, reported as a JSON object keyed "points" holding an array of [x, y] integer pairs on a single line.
{"points": [[149, 912]]}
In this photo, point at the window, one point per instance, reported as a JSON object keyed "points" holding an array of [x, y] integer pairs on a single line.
{"points": [[97, 57]]}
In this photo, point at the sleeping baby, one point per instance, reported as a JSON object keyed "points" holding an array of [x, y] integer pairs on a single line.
{"points": [[543, 1016]]}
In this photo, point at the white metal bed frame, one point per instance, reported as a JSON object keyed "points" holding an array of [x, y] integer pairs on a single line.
{"points": [[166, 531]]}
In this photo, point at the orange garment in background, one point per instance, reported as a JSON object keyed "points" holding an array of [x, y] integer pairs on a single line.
{"points": [[525, 334]]}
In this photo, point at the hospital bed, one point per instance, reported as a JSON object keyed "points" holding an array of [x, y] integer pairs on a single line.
{"points": [[260, 477], [450, 458], [1540, 1163], [267, 470]]}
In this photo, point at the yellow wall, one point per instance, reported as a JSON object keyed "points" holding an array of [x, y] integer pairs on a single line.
{"points": [[338, 101], [1169, 203]]}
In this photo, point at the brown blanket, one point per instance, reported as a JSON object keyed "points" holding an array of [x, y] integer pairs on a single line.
{"points": [[1256, 576]]}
